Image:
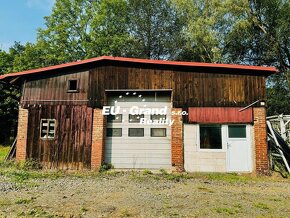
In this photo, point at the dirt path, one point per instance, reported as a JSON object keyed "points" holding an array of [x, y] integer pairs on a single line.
{"points": [[133, 194]]}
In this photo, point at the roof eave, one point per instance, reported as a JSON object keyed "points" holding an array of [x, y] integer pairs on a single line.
{"points": [[265, 70]]}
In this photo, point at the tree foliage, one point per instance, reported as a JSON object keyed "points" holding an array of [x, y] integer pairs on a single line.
{"points": [[268, 43], [154, 27]]}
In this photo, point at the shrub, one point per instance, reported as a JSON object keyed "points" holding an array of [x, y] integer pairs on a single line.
{"points": [[106, 167]]}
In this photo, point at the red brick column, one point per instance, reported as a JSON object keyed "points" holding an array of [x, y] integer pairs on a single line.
{"points": [[260, 138], [177, 140], [22, 134], [98, 139]]}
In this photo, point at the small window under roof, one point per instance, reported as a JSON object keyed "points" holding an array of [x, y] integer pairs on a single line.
{"points": [[73, 85]]}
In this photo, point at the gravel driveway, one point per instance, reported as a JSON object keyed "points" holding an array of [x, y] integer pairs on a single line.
{"points": [[142, 194]]}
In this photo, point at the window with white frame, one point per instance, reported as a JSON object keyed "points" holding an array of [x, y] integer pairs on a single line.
{"points": [[47, 128], [210, 136]]}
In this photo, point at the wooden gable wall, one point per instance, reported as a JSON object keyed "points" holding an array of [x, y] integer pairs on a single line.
{"points": [[191, 88], [52, 89]]}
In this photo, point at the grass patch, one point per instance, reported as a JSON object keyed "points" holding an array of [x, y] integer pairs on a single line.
{"points": [[37, 212], [23, 201], [4, 202], [83, 209], [125, 213], [3, 152], [261, 206], [147, 172], [20, 172], [205, 189], [174, 177], [226, 210]]}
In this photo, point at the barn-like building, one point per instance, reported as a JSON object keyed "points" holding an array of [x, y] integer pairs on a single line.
{"points": [[138, 113]]}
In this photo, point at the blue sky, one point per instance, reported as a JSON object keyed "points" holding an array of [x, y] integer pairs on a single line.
{"points": [[19, 20]]}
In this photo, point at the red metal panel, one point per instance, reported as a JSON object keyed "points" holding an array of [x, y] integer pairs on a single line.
{"points": [[219, 115], [144, 61]]}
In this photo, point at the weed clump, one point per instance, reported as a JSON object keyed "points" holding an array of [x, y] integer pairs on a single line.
{"points": [[105, 167]]}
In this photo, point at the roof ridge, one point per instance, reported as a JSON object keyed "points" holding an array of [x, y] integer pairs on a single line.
{"points": [[142, 61]]}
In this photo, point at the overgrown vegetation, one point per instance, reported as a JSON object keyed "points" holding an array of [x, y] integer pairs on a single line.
{"points": [[105, 167], [3, 152], [22, 172]]}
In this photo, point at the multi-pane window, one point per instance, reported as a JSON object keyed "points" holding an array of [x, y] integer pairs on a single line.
{"points": [[47, 128], [114, 118], [158, 132], [114, 132], [136, 132], [210, 137], [158, 117], [135, 118]]}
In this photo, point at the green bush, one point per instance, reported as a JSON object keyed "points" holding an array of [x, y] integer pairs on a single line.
{"points": [[106, 167]]}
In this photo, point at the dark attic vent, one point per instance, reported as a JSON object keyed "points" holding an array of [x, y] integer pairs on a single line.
{"points": [[73, 85]]}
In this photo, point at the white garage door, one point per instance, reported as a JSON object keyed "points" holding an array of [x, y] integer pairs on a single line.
{"points": [[130, 144]]}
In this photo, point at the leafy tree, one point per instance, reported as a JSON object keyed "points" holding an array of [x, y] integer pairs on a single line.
{"points": [[207, 24], [6, 62], [9, 95], [154, 26], [18, 58], [79, 29], [265, 40], [109, 29], [67, 29], [31, 57]]}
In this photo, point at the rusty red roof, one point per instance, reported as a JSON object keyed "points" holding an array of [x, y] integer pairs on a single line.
{"points": [[143, 61]]}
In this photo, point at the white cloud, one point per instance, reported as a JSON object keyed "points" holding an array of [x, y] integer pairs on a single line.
{"points": [[40, 4]]}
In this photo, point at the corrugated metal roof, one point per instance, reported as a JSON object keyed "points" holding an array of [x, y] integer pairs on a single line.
{"points": [[268, 70]]}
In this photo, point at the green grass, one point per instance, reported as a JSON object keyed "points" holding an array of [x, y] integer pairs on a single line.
{"points": [[23, 201], [22, 172], [3, 152], [147, 172], [261, 206], [226, 210]]}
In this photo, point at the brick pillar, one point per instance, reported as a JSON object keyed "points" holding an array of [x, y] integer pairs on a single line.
{"points": [[22, 134], [98, 139], [260, 138], [177, 140]]}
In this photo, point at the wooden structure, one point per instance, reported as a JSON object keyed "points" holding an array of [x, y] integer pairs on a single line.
{"points": [[46, 95]]}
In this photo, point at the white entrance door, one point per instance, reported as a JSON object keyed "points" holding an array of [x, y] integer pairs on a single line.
{"points": [[238, 148]]}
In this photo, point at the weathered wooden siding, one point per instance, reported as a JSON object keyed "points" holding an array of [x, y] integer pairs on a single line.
{"points": [[71, 147], [52, 90], [194, 89]]}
